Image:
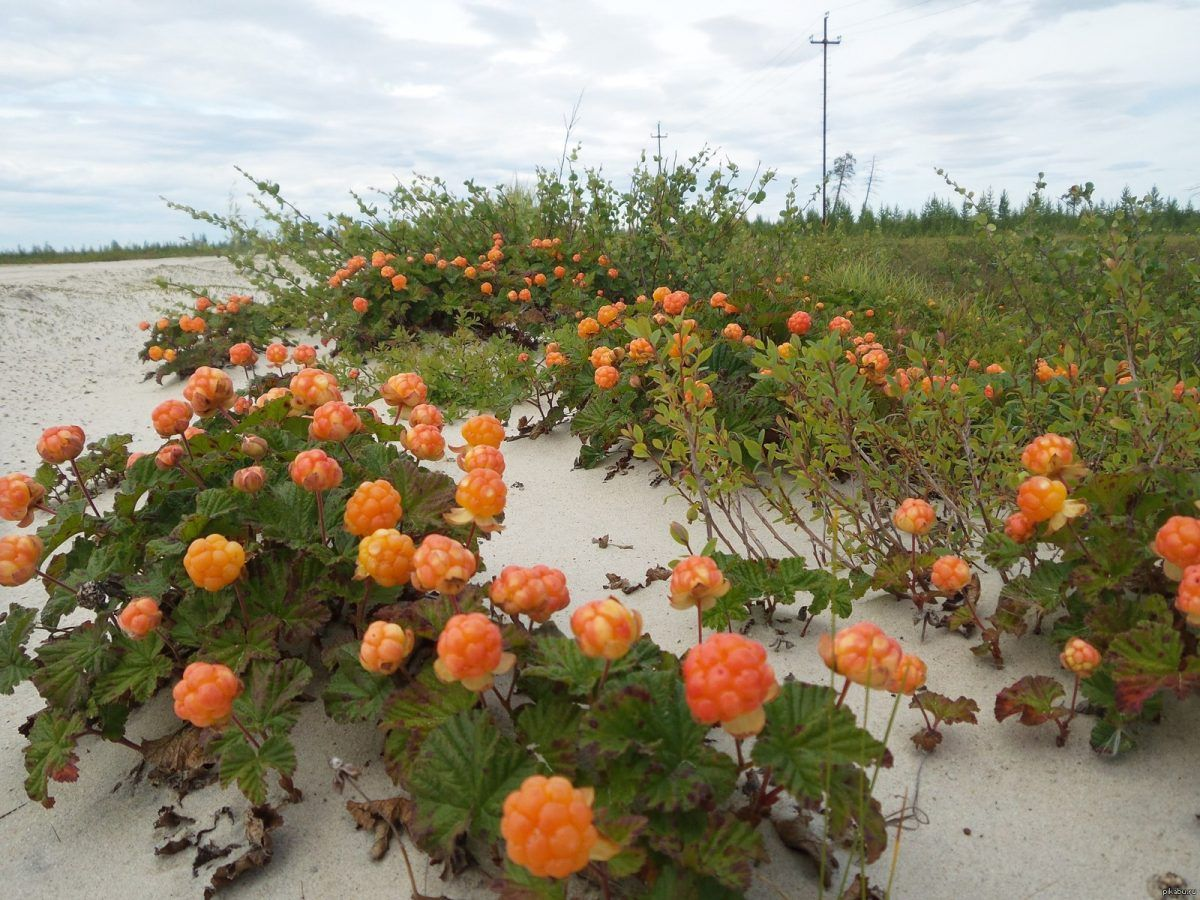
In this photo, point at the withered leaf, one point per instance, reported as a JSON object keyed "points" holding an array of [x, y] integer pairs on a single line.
{"points": [[260, 822], [173, 846], [381, 817], [180, 760], [168, 817], [796, 835], [862, 889]]}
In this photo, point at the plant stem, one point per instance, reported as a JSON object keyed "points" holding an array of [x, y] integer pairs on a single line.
{"points": [[51, 578], [321, 517], [603, 675], [699, 624], [238, 722], [896, 846], [362, 608], [349, 452], [886, 734], [83, 487], [242, 603], [187, 445], [842, 695]]}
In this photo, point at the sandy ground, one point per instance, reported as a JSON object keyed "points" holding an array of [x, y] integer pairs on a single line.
{"points": [[1003, 812]]}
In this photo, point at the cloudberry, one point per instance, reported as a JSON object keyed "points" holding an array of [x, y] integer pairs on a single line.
{"points": [[19, 557], [360, 305], [675, 302], [606, 629], [404, 391], [470, 650], [733, 331], [587, 328], [312, 387], [273, 394], [304, 354], [386, 556], [1178, 541], [482, 457], [385, 646], [242, 355], [608, 314], [1187, 599], [601, 356], [696, 581], [641, 350], [1040, 498], [518, 591], [442, 564], [372, 506], [914, 516], [315, 470], [169, 455], [484, 429], [557, 595], [727, 679], [254, 446], [18, 495], [171, 417], [209, 390], [909, 675], [799, 322], [250, 480], [213, 562], [606, 377], [547, 827], [841, 324], [155, 353], [205, 694], [1048, 454], [1080, 657], [482, 493], [60, 443], [1018, 527], [862, 653], [333, 421], [277, 354], [950, 574], [426, 414], [139, 617], [425, 442]]}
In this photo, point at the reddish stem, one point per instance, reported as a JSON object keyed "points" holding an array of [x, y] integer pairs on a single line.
{"points": [[362, 608], [238, 722], [83, 487], [845, 691], [242, 603], [321, 517], [699, 624], [61, 584]]}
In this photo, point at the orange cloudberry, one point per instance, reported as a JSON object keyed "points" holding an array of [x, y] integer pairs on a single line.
{"points": [[696, 581], [315, 470], [862, 653], [213, 562], [470, 650], [372, 506], [950, 574], [914, 516], [139, 617], [19, 557], [606, 629], [385, 556], [385, 645], [205, 694], [1080, 657], [19, 494], [547, 827], [60, 443], [442, 564], [727, 679]]}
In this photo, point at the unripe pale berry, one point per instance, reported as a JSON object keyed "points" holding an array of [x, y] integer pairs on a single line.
{"points": [[385, 646], [862, 653], [606, 629]]}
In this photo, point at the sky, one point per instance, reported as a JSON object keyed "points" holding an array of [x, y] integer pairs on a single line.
{"points": [[108, 106]]}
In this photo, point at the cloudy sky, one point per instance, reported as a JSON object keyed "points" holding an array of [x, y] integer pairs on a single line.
{"points": [[107, 105]]}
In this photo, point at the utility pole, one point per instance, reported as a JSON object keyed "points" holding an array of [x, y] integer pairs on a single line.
{"points": [[870, 181], [825, 43], [659, 136]]}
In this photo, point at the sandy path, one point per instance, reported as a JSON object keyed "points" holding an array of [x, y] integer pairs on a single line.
{"points": [[1005, 813]]}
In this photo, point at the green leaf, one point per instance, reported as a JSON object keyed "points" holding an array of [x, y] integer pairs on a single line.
{"points": [[51, 752], [141, 667], [806, 733], [1149, 659], [68, 664], [1034, 698], [248, 765], [15, 666], [68, 521], [425, 703], [354, 694], [460, 778], [425, 495], [268, 703], [237, 646], [550, 727], [518, 883], [726, 852], [216, 502], [560, 661]]}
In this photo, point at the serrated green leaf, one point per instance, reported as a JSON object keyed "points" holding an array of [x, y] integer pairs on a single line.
{"points": [[68, 665], [549, 727], [354, 694], [51, 749], [424, 703], [268, 702], [15, 666], [248, 765], [216, 502], [725, 852], [142, 665]]}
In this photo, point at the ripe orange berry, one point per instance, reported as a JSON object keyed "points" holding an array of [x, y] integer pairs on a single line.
{"points": [[386, 556], [205, 694], [315, 470], [312, 387], [799, 322], [482, 457], [1018, 527], [60, 443], [909, 675], [426, 414], [914, 516], [277, 354], [304, 354], [1040, 498], [1178, 541], [727, 679], [606, 377], [385, 646], [547, 827], [733, 331], [1048, 454], [482, 492], [250, 480], [169, 455], [1187, 599], [155, 353], [139, 617], [242, 355], [862, 653], [425, 442], [1080, 657], [372, 506], [333, 421], [841, 324], [950, 574], [209, 390], [483, 430], [696, 580], [171, 417], [675, 302], [19, 557], [360, 305], [18, 495], [442, 564], [143, 326], [641, 350], [602, 356], [213, 562], [404, 391], [518, 591], [399, 281], [471, 651], [587, 328], [606, 629]]}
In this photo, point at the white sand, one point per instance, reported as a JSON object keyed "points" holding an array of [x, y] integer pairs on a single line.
{"points": [[1044, 822]]}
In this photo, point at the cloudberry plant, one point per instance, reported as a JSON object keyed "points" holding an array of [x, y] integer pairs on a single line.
{"points": [[171, 417], [1187, 598], [733, 331], [1043, 499], [304, 354], [1178, 541], [385, 646], [914, 516], [1018, 527], [675, 302], [443, 565], [254, 446], [426, 414], [19, 557], [213, 562], [601, 356], [333, 421], [277, 354], [547, 827], [909, 676], [404, 391], [242, 354], [139, 617], [372, 506], [313, 387], [696, 581], [470, 650], [425, 442], [209, 391], [205, 694], [557, 595], [606, 377], [799, 322], [641, 350], [315, 470], [250, 480], [587, 328], [386, 557], [862, 653], [727, 679], [950, 574], [484, 430], [60, 443], [169, 455], [482, 457], [1048, 454], [606, 629], [19, 494], [518, 591], [1080, 657]]}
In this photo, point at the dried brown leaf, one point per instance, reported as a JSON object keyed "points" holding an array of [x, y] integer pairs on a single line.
{"points": [[796, 835], [260, 822]]}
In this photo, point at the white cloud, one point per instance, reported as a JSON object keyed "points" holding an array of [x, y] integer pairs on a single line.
{"points": [[106, 106]]}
